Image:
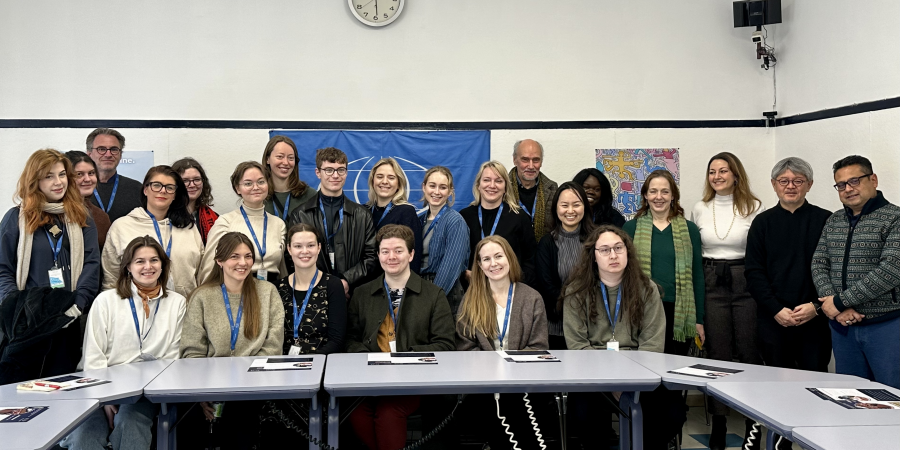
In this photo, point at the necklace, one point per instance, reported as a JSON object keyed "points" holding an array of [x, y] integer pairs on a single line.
{"points": [[715, 228]]}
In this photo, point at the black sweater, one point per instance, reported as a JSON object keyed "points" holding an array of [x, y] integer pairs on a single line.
{"points": [[128, 196], [780, 247], [514, 227], [401, 215]]}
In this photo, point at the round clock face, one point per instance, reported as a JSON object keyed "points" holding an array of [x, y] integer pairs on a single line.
{"points": [[376, 13]]}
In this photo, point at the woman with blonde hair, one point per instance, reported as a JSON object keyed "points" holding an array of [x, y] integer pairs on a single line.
{"points": [[495, 212], [49, 240], [388, 202], [287, 191], [724, 217]]}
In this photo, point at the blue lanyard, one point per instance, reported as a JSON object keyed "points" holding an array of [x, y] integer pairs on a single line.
{"points": [[533, 208], [299, 316], [55, 247], [235, 325], [159, 235], [435, 221], [387, 209], [137, 326], [612, 321], [496, 221], [387, 293], [262, 250], [112, 197], [328, 237], [287, 204], [506, 319]]}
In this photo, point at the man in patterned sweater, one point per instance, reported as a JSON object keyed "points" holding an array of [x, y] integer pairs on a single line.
{"points": [[856, 269]]}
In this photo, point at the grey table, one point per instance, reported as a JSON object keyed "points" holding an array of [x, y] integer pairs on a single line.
{"points": [[848, 438], [227, 379], [661, 364], [784, 406], [486, 372], [126, 385], [45, 430]]}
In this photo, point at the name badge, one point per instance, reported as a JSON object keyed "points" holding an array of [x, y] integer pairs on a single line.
{"points": [[147, 357], [294, 351], [393, 346], [262, 274], [331, 258], [612, 345], [56, 278]]}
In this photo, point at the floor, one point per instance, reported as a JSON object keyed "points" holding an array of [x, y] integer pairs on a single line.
{"points": [[696, 432]]}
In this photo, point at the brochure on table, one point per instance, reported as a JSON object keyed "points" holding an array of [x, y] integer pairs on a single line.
{"points": [[61, 383], [272, 364], [389, 359], [704, 371], [13, 414], [859, 398], [527, 356]]}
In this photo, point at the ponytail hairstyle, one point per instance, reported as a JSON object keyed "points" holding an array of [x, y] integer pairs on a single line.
{"points": [[227, 245]]}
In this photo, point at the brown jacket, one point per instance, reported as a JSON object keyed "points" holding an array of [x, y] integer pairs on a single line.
{"points": [[527, 325]]}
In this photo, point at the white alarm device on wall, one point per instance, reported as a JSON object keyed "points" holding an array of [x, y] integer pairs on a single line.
{"points": [[376, 13]]}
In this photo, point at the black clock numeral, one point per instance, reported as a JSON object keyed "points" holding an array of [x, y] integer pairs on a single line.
{"points": [[365, 14], [385, 15], [358, 6], [374, 17], [392, 8]]}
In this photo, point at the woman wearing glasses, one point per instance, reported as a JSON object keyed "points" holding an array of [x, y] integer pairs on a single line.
{"points": [[163, 215], [388, 194], [199, 194], [610, 304], [286, 190], [264, 230], [724, 217]]}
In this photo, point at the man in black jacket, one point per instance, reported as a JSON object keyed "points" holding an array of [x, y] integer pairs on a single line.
{"points": [[347, 228]]}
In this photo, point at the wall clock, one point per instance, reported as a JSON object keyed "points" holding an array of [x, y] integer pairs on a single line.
{"points": [[376, 13]]}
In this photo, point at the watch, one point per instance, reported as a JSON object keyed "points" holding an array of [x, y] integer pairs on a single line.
{"points": [[376, 13]]}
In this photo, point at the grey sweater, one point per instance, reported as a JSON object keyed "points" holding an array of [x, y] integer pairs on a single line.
{"points": [[527, 325], [207, 331], [581, 333]]}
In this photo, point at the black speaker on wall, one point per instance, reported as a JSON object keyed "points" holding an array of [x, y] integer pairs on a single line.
{"points": [[754, 13]]}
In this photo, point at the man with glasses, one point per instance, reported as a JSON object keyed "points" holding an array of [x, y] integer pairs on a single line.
{"points": [[532, 189], [115, 194], [856, 270], [349, 247]]}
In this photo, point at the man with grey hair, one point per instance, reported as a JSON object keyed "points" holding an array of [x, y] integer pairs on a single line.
{"points": [[115, 194], [532, 189]]}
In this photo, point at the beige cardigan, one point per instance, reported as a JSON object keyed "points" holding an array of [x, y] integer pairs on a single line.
{"points": [[234, 221], [527, 325], [207, 331]]}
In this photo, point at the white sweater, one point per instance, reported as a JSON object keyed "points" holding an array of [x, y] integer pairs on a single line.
{"points": [[730, 246], [110, 338], [187, 249], [234, 221]]}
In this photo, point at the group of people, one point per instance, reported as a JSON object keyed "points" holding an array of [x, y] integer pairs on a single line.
{"points": [[135, 271]]}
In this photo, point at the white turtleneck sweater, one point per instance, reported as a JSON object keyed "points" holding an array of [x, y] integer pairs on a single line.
{"points": [[234, 221], [718, 242]]}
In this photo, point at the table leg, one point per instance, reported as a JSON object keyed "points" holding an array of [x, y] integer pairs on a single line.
{"points": [[561, 400], [637, 422], [625, 422], [165, 427], [315, 421], [334, 421], [770, 439]]}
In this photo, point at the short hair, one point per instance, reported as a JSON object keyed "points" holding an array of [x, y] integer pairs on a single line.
{"points": [[239, 173], [794, 164], [519, 142], [123, 284], [400, 197], [854, 160], [78, 156], [182, 165], [446, 172], [330, 154], [89, 142], [396, 231]]}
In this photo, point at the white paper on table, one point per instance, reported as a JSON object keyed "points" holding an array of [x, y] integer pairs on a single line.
{"points": [[384, 359], [60, 383], [704, 371], [527, 356], [270, 364]]}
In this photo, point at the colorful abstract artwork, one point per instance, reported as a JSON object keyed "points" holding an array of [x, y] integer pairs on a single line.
{"points": [[627, 168]]}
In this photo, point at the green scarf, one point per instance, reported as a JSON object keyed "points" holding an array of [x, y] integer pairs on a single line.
{"points": [[685, 309]]}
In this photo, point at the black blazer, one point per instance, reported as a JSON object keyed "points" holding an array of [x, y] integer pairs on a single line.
{"points": [[549, 283]]}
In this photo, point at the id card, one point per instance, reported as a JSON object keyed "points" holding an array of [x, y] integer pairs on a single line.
{"points": [[331, 258], [262, 274], [294, 351], [612, 345], [56, 278], [147, 357], [393, 346]]}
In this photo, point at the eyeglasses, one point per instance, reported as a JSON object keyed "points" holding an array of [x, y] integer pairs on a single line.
{"points": [[103, 150], [194, 181], [853, 182], [605, 251], [797, 182], [156, 186], [249, 184], [329, 171]]}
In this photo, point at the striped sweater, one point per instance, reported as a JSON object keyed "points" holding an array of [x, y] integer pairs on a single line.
{"points": [[860, 264], [448, 251]]}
